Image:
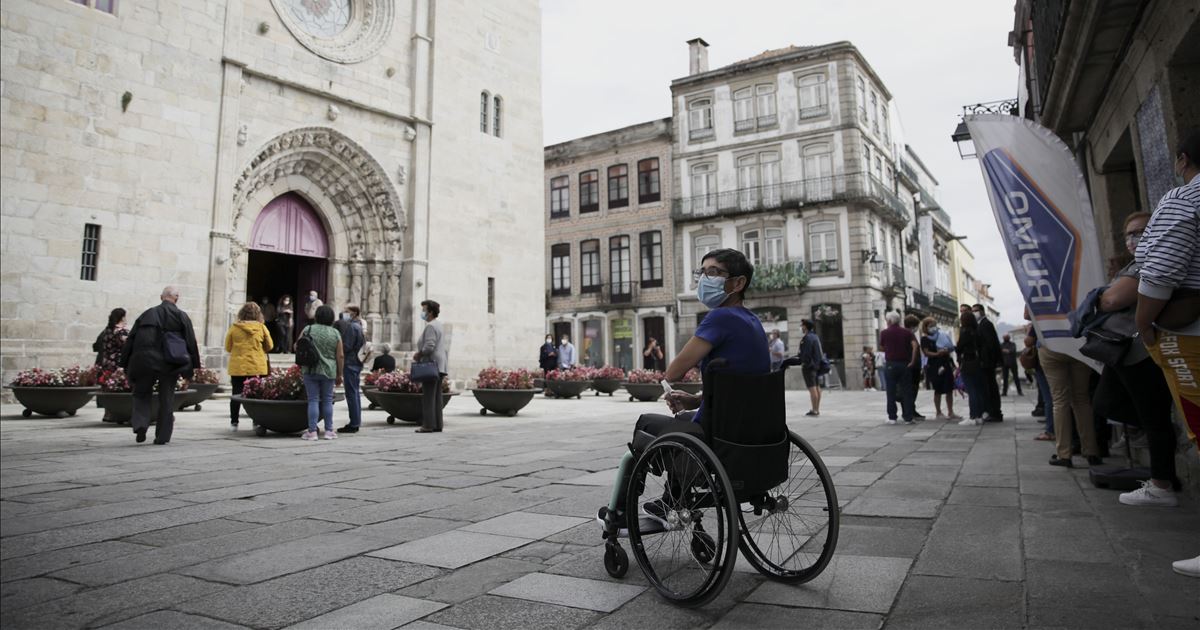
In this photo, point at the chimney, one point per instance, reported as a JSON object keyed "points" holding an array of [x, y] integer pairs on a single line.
{"points": [[697, 56]]}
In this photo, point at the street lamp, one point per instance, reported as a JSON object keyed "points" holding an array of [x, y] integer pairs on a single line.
{"points": [[962, 140]]}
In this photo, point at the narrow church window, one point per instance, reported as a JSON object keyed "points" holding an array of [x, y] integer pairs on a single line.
{"points": [[483, 111], [491, 295], [496, 116], [91, 252]]}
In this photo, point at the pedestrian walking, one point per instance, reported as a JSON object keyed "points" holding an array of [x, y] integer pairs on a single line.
{"points": [[161, 349], [247, 341], [970, 366], [1008, 354], [901, 353], [434, 346], [320, 379], [777, 348], [939, 367], [353, 343], [868, 369], [566, 353], [811, 358], [548, 356], [284, 317], [108, 346], [990, 360], [1168, 300], [652, 356]]}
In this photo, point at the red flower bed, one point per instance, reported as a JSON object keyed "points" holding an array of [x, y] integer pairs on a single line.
{"points": [[573, 375], [280, 384], [75, 376], [645, 376], [693, 376], [205, 376], [497, 378], [610, 373]]}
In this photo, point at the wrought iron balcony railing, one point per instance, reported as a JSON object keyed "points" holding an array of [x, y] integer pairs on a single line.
{"points": [[598, 294], [832, 189], [944, 302]]}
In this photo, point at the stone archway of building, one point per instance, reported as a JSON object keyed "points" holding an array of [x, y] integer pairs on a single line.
{"points": [[288, 255], [355, 201]]}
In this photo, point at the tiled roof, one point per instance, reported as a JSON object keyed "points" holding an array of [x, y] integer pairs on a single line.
{"points": [[768, 54]]}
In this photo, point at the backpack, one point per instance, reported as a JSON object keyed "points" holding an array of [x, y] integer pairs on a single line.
{"points": [[306, 351], [824, 366]]}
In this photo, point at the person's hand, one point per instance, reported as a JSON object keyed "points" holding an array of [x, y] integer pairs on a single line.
{"points": [[1149, 335], [681, 401], [338, 381]]}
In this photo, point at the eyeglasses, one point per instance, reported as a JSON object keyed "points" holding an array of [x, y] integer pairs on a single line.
{"points": [[1134, 235], [711, 272]]}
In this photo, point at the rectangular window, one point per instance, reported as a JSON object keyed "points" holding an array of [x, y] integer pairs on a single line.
{"points": [[773, 239], [483, 112], [704, 187], [560, 269], [743, 110], [618, 186], [560, 197], [619, 272], [765, 101], [652, 259], [91, 252], [648, 181], [701, 245], [822, 246], [589, 266], [491, 296], [700, 119], [813, 96], [107, 6], [496, 116], [862, 100], [875, 112], [751, 246], [589, 191]]}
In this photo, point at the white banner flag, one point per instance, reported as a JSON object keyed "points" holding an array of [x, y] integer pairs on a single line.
{"points": [[1041, 204]]}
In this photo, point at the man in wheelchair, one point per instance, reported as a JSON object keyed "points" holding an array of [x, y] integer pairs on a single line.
{"points": [[730, 332]]}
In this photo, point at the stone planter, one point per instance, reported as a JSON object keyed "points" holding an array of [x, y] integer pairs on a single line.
{"points": [[645, 392], [118, 406], [200, 392], [606, 386], [280, 416], [58, 402], [567, 389], [371, 394], [405, 407], [506, 402], [690, 388]]}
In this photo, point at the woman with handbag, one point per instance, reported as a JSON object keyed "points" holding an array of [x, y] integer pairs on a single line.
{"points": [[324, 373], [429, 367], [247, 341]]}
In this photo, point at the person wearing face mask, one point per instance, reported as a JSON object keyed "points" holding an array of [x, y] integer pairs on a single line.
{"points": [[729, 331], [548, 356], [1168, 301], [311, 306], [434, 346], [566, 354], [939, 368], [990, 360], [349, 326]]}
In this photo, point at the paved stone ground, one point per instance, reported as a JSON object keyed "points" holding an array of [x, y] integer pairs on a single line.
{"points": [[486, 526]]}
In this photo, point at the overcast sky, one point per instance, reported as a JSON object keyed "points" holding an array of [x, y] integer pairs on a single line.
{"points": [[610, 64]]}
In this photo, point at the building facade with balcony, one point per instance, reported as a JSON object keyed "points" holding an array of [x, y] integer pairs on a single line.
{"points": [[789, 156], [609, 243]]}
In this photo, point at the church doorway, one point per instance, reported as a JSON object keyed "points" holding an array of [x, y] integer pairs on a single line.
{"points": [[288, 256]]}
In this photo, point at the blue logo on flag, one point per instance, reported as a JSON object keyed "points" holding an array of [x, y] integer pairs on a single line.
{"points": [[1043, 246]]}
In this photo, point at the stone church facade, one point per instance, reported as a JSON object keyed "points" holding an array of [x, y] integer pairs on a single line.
{"points": [[380, 152]]}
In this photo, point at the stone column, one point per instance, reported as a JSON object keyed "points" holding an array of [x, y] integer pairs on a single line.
{"points": [[372, 307], [358, 272], [392, 308]]}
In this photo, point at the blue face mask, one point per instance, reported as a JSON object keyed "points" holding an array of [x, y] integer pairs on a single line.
{"points": [[424, 316], [711, 291]]}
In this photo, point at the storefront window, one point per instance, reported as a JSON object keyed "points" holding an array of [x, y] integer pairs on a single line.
{"points": [[622, 336]]}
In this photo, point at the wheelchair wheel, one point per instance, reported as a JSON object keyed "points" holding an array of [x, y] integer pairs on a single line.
{"points": [[690, 558], [790, 534], [616, 563]]}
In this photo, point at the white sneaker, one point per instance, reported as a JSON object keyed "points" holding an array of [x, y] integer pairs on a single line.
{"points": [[310, 436], [330, 434], [233, 428], [968, 422], [890, 421], [1189, 567], [1150, 495]]}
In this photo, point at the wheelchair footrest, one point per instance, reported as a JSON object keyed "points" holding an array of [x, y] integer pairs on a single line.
{"points": [[646, 525]]}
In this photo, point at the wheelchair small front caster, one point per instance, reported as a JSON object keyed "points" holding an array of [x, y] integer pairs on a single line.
{"points": [[196, 408], [26, 413], [260, 430], [391, 419], [616, 562], [483, 412], [703, 547]]}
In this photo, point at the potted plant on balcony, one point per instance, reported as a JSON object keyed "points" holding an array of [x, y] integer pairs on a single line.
{"points": [[59, 393], [277, 402], [503, 391], [569, 383], [607, 380], [691, 382], [398, 395], [644, 385], [116, 394], [203, 385]]}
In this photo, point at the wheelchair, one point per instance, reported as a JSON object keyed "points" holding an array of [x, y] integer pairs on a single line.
{"points": [[749, 484]]}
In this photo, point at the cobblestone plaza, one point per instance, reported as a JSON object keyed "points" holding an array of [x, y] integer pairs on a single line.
{"points": [[488, 525]]}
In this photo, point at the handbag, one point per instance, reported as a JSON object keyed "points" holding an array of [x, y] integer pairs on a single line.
{"points": [[1028, 358], [174, 349], [1105, 346], [424, 372]]}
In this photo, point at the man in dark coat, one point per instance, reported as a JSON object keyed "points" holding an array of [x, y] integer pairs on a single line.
{"points": [[548, 356], [160, 349], [990, 359]]}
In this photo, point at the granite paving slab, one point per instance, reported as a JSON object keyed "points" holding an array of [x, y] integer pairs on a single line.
{"points": [[382, 612], [882, 506], [452, 549], [779, 618], [172, 620], [525, 525], [471, 581], [504, 613], [604, 478], [42, 522], [953, 604], [24, 593], [975, 542], [289, 557], [401, 530], [854, 583], [100, 606], [48, 562], [569, 591]]}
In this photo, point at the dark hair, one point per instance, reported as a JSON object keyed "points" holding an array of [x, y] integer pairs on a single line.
{"points": [[980, 307], [324, 315], [911, 321], [1190, 146], [967, 321], [353, 310], [808, 325], [434, 308], [735, 263], [115, 317]]}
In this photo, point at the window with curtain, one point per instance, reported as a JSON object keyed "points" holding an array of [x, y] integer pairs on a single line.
{"points": [[652, 258], [560, 197], [589, 191], [769, 178], [701, 245], [700, 119], [773, 244], [589, 266], [560, 269], [747, 170], [648, 181], [751, 246], [812, 95], [620, 273], [764, 100], [822, 245], [743, 110], [618, 186], [704, 186], [817, 170]]}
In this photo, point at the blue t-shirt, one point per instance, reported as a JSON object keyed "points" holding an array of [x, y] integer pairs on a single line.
{"points": [[737, 336]]}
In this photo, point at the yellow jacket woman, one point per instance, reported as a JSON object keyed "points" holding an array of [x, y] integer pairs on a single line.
{"points": [[247, 343]]}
